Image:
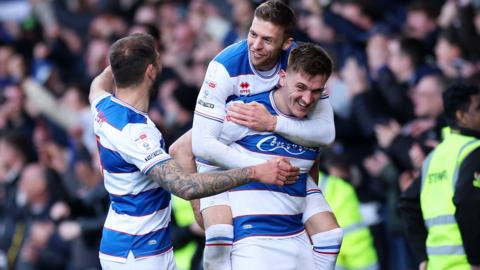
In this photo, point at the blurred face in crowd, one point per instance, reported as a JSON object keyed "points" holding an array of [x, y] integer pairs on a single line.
{"points": [[33, 182], [445, 52], [265, 43], [398, 62], [427, 98], [300, 92]]}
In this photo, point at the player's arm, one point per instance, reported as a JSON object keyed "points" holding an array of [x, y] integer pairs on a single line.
{"points": [[170, 176], [467, 199], [317, 130], [101, 85]]}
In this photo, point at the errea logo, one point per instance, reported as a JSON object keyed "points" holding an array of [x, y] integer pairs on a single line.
{"points": [[244, 88]]}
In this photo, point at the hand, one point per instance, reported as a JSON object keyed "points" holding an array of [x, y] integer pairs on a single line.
{"points": [[375, 163], [276, 171], [252, 115], [422, 266], [386, 133], [40, 233], [406, 179], [59, 210], [69, 230], [416, 156]]}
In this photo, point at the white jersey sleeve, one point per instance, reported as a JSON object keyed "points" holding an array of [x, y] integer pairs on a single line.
{"points": [[206, 144], [317, 130], [142, 147], [215, 90]]}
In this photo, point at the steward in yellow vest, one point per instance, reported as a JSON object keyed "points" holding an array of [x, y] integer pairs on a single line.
{"points": [[357, 251], [442, 210]]}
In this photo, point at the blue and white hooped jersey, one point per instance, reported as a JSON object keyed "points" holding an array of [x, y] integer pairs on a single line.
{"points": [[230, 75], [130, 146], [261, 210]]}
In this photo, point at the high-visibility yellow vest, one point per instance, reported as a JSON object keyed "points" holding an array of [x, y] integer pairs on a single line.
{"points": [[439, 177], [184, 216], [357, 251]]}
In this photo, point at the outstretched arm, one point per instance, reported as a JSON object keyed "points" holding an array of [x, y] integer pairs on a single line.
{"points": [[170, 176]]}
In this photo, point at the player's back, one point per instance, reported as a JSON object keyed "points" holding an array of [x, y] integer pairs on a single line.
{"points": [[129, 146]]}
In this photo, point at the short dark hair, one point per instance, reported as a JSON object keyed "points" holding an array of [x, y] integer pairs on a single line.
{"points": [[129, 58], [278, 13], [413, 49], [310, 59], [458, 97]]}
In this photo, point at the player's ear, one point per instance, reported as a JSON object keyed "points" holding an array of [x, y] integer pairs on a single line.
{"points": [[150, 72], [287, 43], [282, 74]]}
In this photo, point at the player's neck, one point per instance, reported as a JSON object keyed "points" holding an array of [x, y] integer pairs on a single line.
{"points": [[134, 96], [280, 102]]}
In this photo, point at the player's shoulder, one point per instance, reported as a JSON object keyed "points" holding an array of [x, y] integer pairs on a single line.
{"points": [[235, 59], [119, 114]]}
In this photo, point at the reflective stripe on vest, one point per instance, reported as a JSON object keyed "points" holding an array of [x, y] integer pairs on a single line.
{"points": [[354, 227], [440, 220], [446, 250], [374, 266]]}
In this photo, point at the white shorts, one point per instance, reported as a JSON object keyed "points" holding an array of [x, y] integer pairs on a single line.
{"points": [[256, 253], [215, 200], [164, 261], [315, 202], [219, 199]]}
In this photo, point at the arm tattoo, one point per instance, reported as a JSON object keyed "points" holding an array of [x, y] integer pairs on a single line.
{"points": [[170, 176]]}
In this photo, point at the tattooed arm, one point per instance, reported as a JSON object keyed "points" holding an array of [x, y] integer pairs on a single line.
{"points": [[170, 176]]}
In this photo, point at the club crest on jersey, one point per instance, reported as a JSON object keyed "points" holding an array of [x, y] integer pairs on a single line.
{"points": [[244, 89], [144, 141], [271, 143]]}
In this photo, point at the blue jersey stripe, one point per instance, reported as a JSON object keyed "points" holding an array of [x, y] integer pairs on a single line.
{"points": [[298, 189], [273, 144], [144, 203], [119, 244], [112, 162], [266, 225], [117, 115]]}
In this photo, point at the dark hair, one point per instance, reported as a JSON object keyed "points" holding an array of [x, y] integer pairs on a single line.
{"points": [[426, 7], [278, 13], [129, 58], [458, 97], [310, 59], [413, 49], [20, 142]]}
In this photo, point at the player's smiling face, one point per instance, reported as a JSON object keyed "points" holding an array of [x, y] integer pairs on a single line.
{"points": [[301, 92], [265, 43]]}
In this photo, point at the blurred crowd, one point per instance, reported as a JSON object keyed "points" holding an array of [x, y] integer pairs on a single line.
{"points": [[393, 59]]}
